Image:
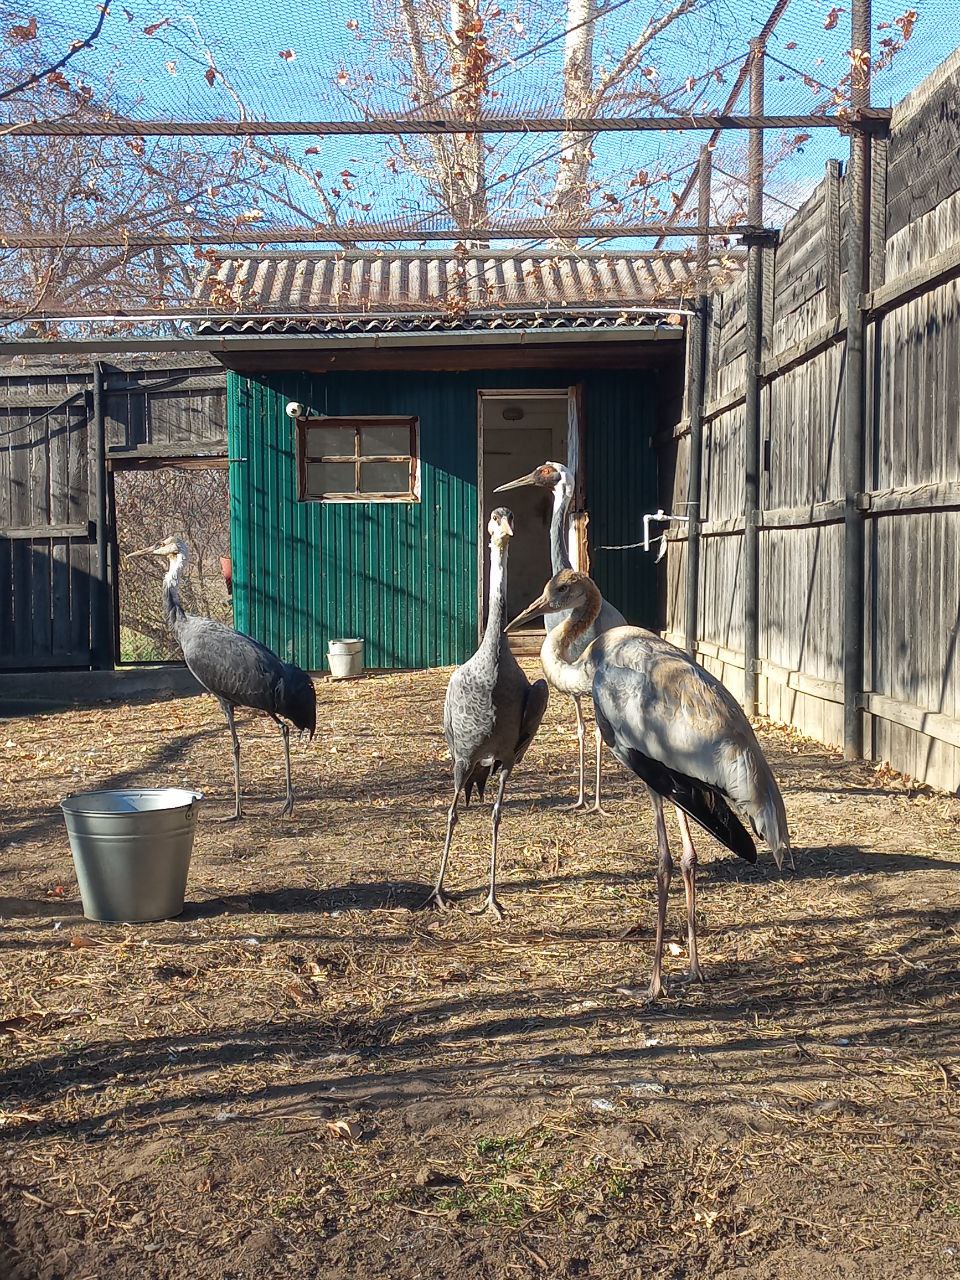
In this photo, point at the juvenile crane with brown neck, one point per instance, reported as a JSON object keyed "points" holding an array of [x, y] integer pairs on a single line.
{"points": [[238, 670], [677, 728], [558, 479], [490, 714]]}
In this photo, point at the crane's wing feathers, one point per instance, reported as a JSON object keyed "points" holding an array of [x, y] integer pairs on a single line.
{"points": [[246, 673], [665, 708], [468, 712], [534, 709]]}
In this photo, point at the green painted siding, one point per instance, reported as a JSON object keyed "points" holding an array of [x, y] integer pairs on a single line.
{"points": [[622, 485], [405, 576]]}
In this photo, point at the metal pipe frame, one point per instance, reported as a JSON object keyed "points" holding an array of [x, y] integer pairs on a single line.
{"points": [[697, 338], [385, 126], [751, 414], [357, 233], [855, 391]]}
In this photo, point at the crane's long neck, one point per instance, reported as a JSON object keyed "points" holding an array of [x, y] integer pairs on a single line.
{"points": [[559, 542], [172, 607], [571, 676], [498, 599]]}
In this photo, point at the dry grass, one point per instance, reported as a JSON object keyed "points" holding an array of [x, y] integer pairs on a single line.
{"points": [[303, 1076]]}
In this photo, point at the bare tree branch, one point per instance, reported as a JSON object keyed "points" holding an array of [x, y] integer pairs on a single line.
{"points": [[78, 45]]}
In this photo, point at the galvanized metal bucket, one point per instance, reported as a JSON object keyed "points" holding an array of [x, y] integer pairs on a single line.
{"points": [[131, 850], [345, 657]]}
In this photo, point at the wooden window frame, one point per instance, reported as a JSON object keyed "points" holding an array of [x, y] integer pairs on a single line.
{"points": [[358, 422]]}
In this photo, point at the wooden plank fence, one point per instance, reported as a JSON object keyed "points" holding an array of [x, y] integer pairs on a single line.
{"points": [[911, 694]]}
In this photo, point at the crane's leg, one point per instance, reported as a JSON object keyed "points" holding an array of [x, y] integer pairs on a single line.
{"points": [[287, 809], [597, 807], [490, 903], [580, 802], [238, 810], [664, 872], [688, 865], [437, 897]]}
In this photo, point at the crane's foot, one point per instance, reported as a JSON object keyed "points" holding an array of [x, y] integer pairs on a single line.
{"points": [[489, 904], [287, 809], [693, 974], [577, 804], [655, 990], [233, 817], [598, 809], [437, 900]]}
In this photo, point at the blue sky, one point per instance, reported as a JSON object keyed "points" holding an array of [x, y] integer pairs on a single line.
{"points": [[162, 75]]}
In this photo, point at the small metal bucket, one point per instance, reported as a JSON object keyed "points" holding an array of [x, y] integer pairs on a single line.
{"points": [[131, 850], [345, 657]]}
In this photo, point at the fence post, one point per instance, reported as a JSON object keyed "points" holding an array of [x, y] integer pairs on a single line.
{"points": [[101, 619], [855, 387], [832, 246], [751, 413], [698, 368]]}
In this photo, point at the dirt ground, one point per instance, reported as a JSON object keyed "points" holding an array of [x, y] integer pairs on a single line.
{"points": [[307, 1077]]}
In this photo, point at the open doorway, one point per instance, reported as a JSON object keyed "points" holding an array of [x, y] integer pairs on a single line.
{"points": [[189, 499], [519, 430]]}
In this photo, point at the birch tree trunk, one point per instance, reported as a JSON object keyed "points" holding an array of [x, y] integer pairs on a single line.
{"points": [[573, 172]]}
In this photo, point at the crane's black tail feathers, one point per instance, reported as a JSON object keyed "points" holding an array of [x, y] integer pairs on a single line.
{"points": [[299, 701], [703, 803], [476, 780]]}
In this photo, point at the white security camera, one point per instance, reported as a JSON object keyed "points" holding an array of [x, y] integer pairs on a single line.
{"points": [[295, 410]]}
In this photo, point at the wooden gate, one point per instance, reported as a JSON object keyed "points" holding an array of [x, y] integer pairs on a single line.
{"points": [[57, 552]]}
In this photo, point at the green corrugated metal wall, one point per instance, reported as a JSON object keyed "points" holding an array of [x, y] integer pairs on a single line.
{"points": [[405, 576]]}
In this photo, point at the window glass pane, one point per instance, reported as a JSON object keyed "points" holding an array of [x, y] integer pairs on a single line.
{"points": [[330, 477], [385, 477], [322, 441], [385, 440]]}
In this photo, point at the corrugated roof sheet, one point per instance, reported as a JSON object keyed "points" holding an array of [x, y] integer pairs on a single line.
{"points": [[354, 292]]}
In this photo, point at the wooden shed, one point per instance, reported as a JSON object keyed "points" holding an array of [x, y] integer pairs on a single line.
{"points": [[363, 512]]}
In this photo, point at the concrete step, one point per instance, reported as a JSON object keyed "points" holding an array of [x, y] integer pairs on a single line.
{"points": [[527, 643]]}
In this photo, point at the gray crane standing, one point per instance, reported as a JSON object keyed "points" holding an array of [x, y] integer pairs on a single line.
{"points": [[555, 476], [490, 715], [676, 727], [236, 669]]}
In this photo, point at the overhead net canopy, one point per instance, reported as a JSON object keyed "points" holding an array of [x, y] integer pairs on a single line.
{"points": [[124, 225]]}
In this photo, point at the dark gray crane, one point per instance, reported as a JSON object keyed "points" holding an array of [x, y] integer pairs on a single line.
{"points": [[490, 714], [676, 727], [236, 669], [555, 476]]}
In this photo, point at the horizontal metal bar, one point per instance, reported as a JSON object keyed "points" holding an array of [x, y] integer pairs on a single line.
{"points": [[358, 233], [230, 320], [385, 125], [332, 342]]}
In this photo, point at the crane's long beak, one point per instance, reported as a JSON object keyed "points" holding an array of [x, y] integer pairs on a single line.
{"points": [[530, 478], [540, 605], [146, 551]]}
